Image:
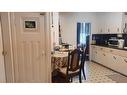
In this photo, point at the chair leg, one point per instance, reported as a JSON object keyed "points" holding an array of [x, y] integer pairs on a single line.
{"points": [[67, 79], [71, 79], [80, 76], [83, 70], [84, 73]]}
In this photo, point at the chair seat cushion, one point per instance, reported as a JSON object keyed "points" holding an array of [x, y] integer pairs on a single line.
{"points": [[64, 70]]}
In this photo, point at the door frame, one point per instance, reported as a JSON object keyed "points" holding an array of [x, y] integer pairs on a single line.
{"points": [[7, 46], [47, 39], [1, 46]]}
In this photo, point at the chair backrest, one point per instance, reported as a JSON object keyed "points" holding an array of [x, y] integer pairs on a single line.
{"points": [[73, 60]]}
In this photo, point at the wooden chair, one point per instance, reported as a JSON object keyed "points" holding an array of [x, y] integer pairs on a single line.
{"points": [[73, 67]]}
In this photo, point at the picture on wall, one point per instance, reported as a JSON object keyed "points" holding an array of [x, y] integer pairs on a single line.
{"points": [[30, 24]]}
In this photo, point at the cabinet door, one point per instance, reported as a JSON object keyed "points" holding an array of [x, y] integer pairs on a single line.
{"points": [[112, 61], [93, 53], [100, 30], [104, 58], [107, 28], [122, 67], [118, 63], [116, 29], [98, 56]]}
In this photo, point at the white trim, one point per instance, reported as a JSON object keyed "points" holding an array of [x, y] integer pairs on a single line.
{"points": [[48, 45], [3, 77], [10, 34]]}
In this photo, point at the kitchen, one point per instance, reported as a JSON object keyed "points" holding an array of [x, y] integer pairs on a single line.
{"points": [[101, 34], [108, 38], [109, 45], [34, 33]]}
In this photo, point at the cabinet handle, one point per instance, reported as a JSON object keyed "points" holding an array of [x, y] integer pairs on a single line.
{"points": [[96, 52], [108, 30], [114, 57], [101, 48], [101, 30], [117, 29], [103, 54], [125, 60]]}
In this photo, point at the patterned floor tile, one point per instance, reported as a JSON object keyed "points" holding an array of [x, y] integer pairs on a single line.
{"points": [[96, 73]]}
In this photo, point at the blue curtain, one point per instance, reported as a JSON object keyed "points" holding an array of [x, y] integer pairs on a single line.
{"points": [[83, 31], [78, 33]]}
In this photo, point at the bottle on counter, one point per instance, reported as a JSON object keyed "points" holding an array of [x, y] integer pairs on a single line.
{"points": [[125, 28], [93, 40], [120, 43]]}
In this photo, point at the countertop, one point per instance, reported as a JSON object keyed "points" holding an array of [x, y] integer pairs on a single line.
{"points": [[113, 47]]}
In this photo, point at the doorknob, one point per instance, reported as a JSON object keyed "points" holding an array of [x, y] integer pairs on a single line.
{"points": [[4, 53], [43, 53]]}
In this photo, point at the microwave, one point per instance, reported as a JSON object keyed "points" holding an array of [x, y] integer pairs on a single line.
{"points": [[113, 42]]}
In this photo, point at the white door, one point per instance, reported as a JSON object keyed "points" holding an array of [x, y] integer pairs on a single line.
{"points": [[2, 69], [29, 48]]}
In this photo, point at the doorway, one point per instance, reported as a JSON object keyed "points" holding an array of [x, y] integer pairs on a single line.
{"points": [[83, 36]]}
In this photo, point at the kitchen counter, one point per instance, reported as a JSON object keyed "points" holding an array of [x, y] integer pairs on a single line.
{"points": [[111, 57], [113, 47]]}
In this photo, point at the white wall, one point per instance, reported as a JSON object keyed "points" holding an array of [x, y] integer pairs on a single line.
{"points": [[69, 24]]}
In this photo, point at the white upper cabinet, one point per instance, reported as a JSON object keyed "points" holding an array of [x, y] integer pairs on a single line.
{"points": [[109, 22]]}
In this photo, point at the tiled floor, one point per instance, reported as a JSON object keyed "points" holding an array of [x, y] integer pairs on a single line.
{"points": [[96, 73]]}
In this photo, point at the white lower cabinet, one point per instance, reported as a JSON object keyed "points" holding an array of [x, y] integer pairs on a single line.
{"points": [[104, 59], [93, 53], [97, 58], [117, 63], [101, 57], [122, 67], [114, 61]]}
